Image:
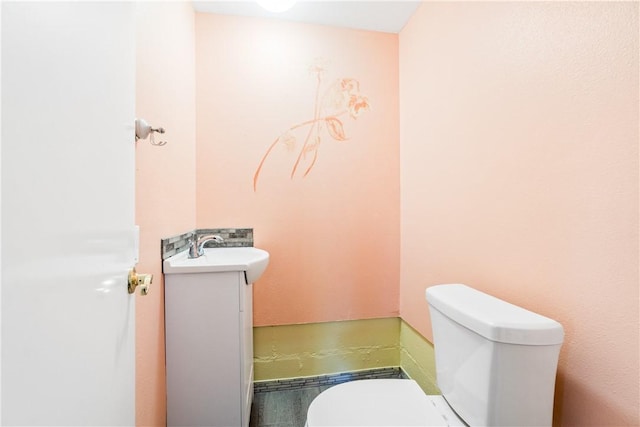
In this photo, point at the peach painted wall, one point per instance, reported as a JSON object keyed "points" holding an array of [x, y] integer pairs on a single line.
{"points": [[519, 176], [165, 178], [333, 235]]}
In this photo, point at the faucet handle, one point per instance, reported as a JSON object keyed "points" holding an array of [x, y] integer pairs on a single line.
{"points": [[193, 246]]}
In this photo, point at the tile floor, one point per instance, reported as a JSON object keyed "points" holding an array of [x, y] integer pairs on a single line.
{"points": [[285, 403], [284, 408]]}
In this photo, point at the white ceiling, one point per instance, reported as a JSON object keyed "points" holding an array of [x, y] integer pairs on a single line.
{"points": [[387, 16]]}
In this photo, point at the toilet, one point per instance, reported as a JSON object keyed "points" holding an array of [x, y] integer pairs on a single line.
{"points": [[495, 366]]}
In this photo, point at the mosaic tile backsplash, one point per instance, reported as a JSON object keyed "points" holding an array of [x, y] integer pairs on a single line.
{"points": [[233, 237], [331, 379]]}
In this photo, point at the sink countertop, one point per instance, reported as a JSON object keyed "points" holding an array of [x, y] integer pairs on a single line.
{"points": [[252, 261]]}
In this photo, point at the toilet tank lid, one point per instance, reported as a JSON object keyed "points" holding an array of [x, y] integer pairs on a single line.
{"points": [[493, 318]]}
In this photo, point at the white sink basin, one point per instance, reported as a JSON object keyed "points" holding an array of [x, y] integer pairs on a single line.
{"points": [[252, 261]]}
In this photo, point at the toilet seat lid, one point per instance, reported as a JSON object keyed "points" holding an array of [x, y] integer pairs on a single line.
{"points": [[380, 402]]}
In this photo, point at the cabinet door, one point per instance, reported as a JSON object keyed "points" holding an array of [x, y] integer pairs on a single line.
{"points": [[203, 349]]}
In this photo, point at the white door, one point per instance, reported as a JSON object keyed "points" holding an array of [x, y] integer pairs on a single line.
{"points": [[67, 213]]}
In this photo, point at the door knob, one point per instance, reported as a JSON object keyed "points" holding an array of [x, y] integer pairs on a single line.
{"points": [[142, 280]]}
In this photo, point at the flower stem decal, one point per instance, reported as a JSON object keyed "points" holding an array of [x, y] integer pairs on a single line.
{"points": [[341, 97]]}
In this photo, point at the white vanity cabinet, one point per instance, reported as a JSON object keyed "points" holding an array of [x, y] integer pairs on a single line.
{"points": [[209, 348]]}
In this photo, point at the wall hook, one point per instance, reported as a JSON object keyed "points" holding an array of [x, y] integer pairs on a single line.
{"points": [[144, 129]]}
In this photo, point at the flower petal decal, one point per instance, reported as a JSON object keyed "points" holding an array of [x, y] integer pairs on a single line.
{"points": [[358, 104], [288, 140], [335, 128]]}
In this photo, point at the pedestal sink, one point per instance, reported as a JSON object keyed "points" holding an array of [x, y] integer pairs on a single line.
{"points": [[209, 335]]}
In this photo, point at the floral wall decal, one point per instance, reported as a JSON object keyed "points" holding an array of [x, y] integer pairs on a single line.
{"points": [[341, 98]]}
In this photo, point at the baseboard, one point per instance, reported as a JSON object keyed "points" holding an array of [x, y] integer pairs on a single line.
{"points": [[316, 349], [304, 354], [418, 359]]}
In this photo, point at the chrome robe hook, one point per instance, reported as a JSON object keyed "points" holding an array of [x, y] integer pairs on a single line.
{"points": [[144, 129]]}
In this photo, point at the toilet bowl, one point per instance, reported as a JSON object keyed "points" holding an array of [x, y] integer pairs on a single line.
{"points": [[495, 366], [380, 402]]}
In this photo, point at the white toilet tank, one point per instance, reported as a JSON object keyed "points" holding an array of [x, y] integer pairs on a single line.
{"points": [[495, 362]]}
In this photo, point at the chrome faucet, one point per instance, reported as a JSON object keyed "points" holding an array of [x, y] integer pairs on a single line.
{"points": [[196, 245]]}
